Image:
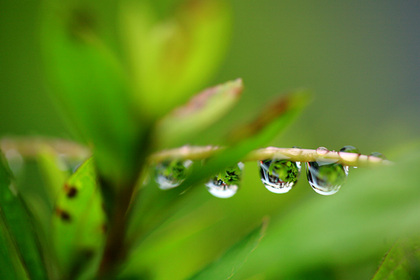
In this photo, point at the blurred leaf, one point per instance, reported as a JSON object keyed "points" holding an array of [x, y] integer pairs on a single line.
{"points": [[272, 119], [282, 113], [17, 229], [79, 223], [91, 84], [160, 204], [200, 112], [11, 265], [401, 262], [234, 258], [373, 206], [172, 57]]}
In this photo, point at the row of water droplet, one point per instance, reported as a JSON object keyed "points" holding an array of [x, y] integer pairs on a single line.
{"points": [[278, 175]]}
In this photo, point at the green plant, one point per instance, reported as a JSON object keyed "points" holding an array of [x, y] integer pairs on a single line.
{"points": [[120, 70]]}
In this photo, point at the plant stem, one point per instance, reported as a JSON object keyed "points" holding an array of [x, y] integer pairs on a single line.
{"points": [[31, 147], [115, 250], [293, 154]]}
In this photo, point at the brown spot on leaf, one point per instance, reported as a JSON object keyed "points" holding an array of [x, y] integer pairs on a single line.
{"points": [[72, 192], [63, 215]]}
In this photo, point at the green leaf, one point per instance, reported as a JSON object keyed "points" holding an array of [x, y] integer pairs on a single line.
{"points": [[270, 123], [79, 223], [11, 265], [53, 175], [91, 84], [160, 204], [234, 258], [17, 230], [200, 112], [401, 262], [374, 205], [172, 57]]}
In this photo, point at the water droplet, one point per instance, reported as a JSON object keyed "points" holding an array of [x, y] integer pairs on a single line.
{"points": [[226, 183], [322, 151], [325, 178], [349, 153], [170, 174], [279, 176], [350, 149], [378, 155]]}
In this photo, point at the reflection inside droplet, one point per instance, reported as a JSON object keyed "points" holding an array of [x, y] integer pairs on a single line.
{"points": [[226, 183], [279, 176], [170, 174], [325, 178]]}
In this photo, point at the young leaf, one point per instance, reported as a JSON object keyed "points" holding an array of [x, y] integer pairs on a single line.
{"points": [[253, 136], [79, 222], [158, 203], [233, 259], [200, 112], [401, 262], [91, 86], [17, 228], [174, 56]]}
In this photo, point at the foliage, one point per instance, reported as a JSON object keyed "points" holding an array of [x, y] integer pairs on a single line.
{"points": [[121, 72]]}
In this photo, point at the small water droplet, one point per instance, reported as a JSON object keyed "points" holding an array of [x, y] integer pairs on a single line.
{"points": [[279, 176], [349, 153], [378, 155], [350, 149], [322, 151], [226, 183], [325, 178], [170, 174]]}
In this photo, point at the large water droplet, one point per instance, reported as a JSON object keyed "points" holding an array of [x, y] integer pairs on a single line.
{"points": [[325, 178], [170, 174], [226, 183], [279, 176]]}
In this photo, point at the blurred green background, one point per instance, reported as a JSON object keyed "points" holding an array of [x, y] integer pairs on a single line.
{"points": [[361, 59]]}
